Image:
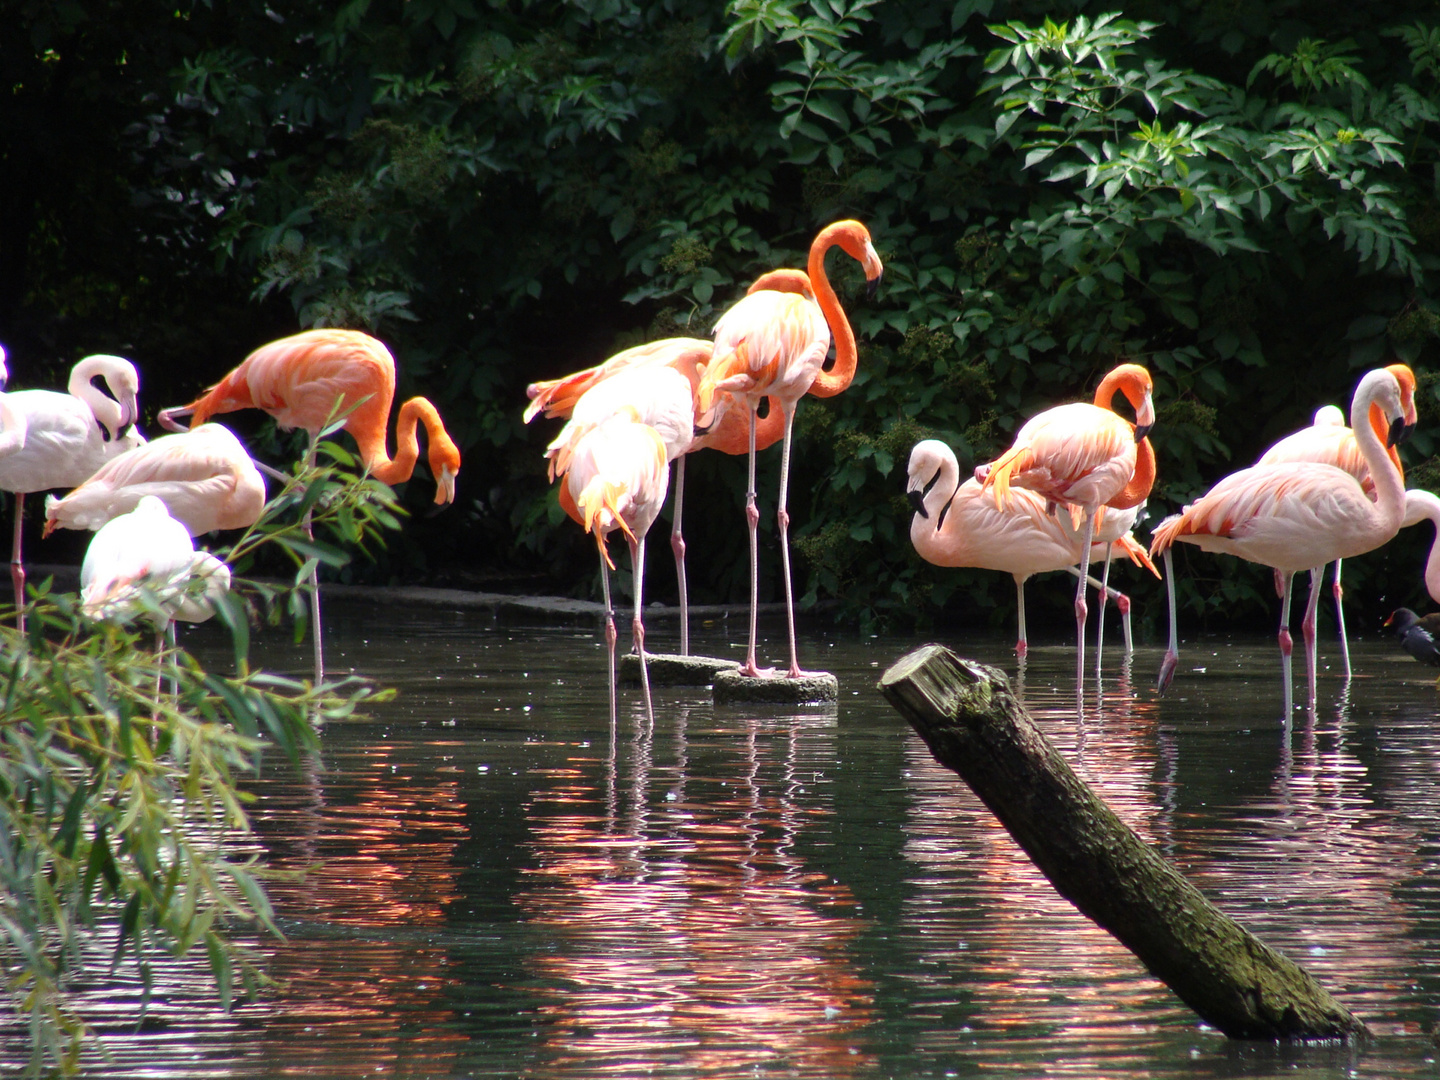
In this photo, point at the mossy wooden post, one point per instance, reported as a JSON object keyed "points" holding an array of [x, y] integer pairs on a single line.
{"points": [[973, 725]]}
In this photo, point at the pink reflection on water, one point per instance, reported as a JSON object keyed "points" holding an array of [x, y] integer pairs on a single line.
{"points": [[685, 927]]}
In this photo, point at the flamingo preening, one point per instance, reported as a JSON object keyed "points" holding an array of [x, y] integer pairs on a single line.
{"points": [[1086, 457], [1300, 516], [956, 524]]}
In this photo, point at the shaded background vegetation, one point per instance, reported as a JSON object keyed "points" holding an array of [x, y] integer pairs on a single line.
{"points": [[1241, 195]]}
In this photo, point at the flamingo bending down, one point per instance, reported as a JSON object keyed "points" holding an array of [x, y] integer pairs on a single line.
{"points": [[617, 479], [1301, 515], [141, 565], [55, 440], [955, 524], [1329, 441], [204, 477], [559, 398], [305, 381], [1086, 457], [774, 344]]}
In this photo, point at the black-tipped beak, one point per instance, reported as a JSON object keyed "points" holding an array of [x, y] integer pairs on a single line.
{"points": [[1398, 432], [917, 500], [699, 430], [1141, 430], [872, 286]]}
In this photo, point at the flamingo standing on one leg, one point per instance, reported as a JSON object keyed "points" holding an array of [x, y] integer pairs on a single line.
{"points": [[774, 344], [308, 379], [1083, 456], [1329, 441], [955, 524], [1302, 515], [617, 479], [204, 477], [61, 438]]}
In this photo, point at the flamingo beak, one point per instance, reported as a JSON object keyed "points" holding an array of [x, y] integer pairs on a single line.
{"points": [[917, 500], [1144, 417], [1398, 431], [444, 486], [129, 410]]}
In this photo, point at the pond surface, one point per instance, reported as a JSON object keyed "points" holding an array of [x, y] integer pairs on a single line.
{"points": [[495, 884]]}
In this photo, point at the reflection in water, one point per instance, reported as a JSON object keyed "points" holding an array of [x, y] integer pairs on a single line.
{"points": [[685, 928], [493, 886]]}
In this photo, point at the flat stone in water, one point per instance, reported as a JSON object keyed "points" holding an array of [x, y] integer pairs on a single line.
{"points": [[815, 688], [671, 669]]}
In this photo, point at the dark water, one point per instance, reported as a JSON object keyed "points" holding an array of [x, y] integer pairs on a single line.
{"points": [[494, 886]]}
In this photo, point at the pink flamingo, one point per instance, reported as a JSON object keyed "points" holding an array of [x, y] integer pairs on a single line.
{"points": [[955, 524], [204, 477], [774, 344], [1330, 442], [1299, 516], [617, 478], [1086, 457], [57, 440]]}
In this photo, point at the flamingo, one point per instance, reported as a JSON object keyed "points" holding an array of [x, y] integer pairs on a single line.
{"points": [[617, 478], [140, 565], [1087, 457], [955, 524], [307, 380], [1329, 441], [55, 440], [204, 476], [1425, 506], [1300, 515], [559, 398], [774, 344]]}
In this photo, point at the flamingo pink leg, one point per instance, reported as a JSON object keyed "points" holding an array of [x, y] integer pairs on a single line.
{"points": [[610, 636], [1307, 629], [783, 518], [1100, 613], [1286, 645], [1172, 653], [1022, 646], [1081, 609], [1339, 594], [677, 545], [752, 520], [637, 628]]}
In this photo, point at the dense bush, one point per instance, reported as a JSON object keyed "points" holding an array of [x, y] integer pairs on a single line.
{"points": [[1241, 197]]}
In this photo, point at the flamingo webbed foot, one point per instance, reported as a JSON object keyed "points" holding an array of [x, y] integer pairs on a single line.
{"points": [[1167, 671]]}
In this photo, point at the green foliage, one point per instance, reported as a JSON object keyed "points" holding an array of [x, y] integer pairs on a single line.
{"points": [[121, 815]]}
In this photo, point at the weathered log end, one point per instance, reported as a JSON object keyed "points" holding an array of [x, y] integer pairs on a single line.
{"points": [[975, 727]]}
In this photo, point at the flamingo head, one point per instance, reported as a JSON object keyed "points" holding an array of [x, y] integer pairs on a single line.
{"points": [[854, 240], [1135, 383], [444, 465], [1406, 378]]}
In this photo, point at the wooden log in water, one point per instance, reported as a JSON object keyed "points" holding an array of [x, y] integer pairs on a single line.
{"points": [[974, 726]]}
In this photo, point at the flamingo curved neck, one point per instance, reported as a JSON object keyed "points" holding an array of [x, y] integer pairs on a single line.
{"points": [[1389, 485], [828, 384], [401, 467], [925, 532], [105, 409]]}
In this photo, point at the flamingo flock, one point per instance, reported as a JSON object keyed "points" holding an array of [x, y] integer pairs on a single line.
{"points": [[1070, 488]]}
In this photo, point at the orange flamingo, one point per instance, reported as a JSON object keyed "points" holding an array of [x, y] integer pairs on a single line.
{"points": [[1086, 457], [955, 524], [616, 479], [1301, 515], [774, 344], [203, 476], [1330, 442], [307, 380], [728, 434]]}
